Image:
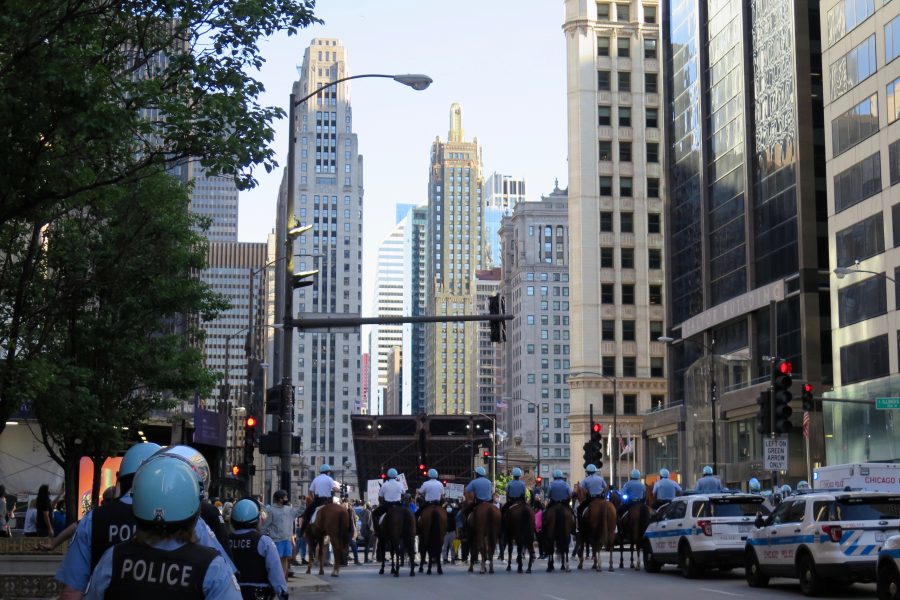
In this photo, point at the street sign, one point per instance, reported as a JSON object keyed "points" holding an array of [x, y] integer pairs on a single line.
{"points": [[775, 453], [887, 403]]}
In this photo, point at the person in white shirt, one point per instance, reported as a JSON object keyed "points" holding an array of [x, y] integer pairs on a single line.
{"points": [[391, 493], [432, 491], [321, 489]]}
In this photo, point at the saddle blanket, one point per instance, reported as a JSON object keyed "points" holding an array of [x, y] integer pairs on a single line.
{"points": [[312, 519]]}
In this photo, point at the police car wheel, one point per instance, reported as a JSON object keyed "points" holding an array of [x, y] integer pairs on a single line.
{"points": [[811, 583], [687, 563], [753, 571], [651, 565], [888, 582]]}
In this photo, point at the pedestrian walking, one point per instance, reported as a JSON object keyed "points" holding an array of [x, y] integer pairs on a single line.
{"points": [[280, 526]]}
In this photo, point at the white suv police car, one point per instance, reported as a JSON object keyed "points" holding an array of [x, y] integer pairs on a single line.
{"points": [[700, 531], [822, 537], [888, 570]]}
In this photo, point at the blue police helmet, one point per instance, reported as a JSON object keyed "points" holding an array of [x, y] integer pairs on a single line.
{"points": [[166, 494], [325, 469], [754, 484], [557, 474], [785, 489], [635, 474], [592, 468], [707, 470], [194, 459], [517, 472], [432, 474], [664, 473], [136, 456], [802, 485], [245, 514], [392, 473], [480, 471]]}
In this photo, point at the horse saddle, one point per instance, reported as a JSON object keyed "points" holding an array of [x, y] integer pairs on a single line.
{"points": [[312, 519]]}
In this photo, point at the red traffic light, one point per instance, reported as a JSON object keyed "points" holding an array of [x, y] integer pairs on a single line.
{"points": [[235, 470], [487, 454], [597, 427], [421, 467], [251, 422], [539, 479], [807, 388], [785, 367], [384, 476]]}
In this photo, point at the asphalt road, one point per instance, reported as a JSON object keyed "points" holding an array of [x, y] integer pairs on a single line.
{"points": [[364, 582]]}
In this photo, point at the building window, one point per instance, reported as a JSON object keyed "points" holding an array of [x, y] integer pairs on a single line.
{"points": [[657, 366], [656, 330], [895, 226], [652, 117], [860, 241], [862, 301], [845, 16], [894, 161], [654, 258], [624, 116], [626, 222], [606, 293], [608, 330], [623, 12], [627, 293], [608, 365], [649, 14], [855, 125], [891, 40], [651, 85], [605, 150], [603, 81], [624, 151], [606, 258], [629, 404], [852, 68], [625, 187], [652, 152], [652, 187], [654, 223], [604, 115], [606, 188], [865, 360], [609, 404], [606, 222], [627, 256], [602, 46], [650, 47], [624, 78], [623, 47], [603, 10], [655, 294], [628, 331], [629, 366], [893, 100], [857, 183]]}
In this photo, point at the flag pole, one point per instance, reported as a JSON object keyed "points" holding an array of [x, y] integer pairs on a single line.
{"points": [[806, 419]]}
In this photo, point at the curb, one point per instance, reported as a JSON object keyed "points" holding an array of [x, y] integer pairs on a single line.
{"points": [[307, 584]]}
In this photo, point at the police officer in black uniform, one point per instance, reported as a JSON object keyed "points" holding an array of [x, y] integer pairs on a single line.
{"points": [[163, 560], [260, 574]]}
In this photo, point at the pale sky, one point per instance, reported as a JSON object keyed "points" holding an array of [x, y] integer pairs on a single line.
{"points": [[503, 60]]}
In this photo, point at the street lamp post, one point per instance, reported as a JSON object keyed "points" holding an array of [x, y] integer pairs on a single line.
{"points": [[841, 272], [417, 82], [713, 395], [493, 444], [613, 467]]}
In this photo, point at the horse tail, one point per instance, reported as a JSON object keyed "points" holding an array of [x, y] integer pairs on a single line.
{"points": [[436, 538], [526, 525]]}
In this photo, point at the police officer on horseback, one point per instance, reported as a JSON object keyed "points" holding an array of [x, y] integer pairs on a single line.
{"points": [[560, 492], [163, 559], [112, 523], [432, 491], [594, 487], [260, 575], [664, 490], [633, 491], [322, 489], [709, 483], [390, 494], [515, 490]]}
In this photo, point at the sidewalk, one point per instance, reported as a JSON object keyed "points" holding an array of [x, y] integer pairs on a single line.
{"points": [[301, 583]]}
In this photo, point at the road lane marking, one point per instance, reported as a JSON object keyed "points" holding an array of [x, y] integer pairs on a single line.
{"points": [[720, 592], [554, 597]]}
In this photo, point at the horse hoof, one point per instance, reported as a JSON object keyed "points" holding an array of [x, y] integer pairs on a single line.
{"points": [[579, 567], [334, 574], [528, 570]]}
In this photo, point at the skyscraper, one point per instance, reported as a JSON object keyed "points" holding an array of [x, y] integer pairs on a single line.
{"points": [[330, 198], [501, 194], [860, 45], [745, 229], [615, 215], [456, 251], [389, 289], [216, 199], [414, 290]]}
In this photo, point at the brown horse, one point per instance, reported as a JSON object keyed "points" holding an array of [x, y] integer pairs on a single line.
{"points": [[484, 523], [518, 531], [334, 522], [632, 527], [432, 527], [397, 533], [559, 522], [598, 531]]}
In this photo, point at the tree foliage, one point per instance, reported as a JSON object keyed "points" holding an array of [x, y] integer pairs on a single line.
{"points": [[98, 100]]}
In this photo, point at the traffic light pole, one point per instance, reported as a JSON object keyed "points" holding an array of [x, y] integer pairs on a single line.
{"points": [[286, 416]]}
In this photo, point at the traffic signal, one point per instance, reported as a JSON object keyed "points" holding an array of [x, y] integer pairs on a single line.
{"points": [[588, 453], [303, 278], [781, 396], [236, 470], [496, 306], [539, 480], [273, 400], [764, 416], [809, 403], [486, 455], [423, 470], [250, 431]]}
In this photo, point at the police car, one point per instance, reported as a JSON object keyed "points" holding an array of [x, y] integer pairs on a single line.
{"points": [[700, 531], [820, 538], [888, 570]]}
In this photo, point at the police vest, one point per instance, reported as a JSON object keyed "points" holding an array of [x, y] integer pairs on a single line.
{"points": [[212, 517], [111, 524], [141, 572], [245, 554]]}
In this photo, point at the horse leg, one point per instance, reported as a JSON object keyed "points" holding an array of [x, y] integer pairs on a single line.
{"points": [[473, 554], [311, 544], [509, 559], [622, 552], [320, 556], [337, 552]]}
